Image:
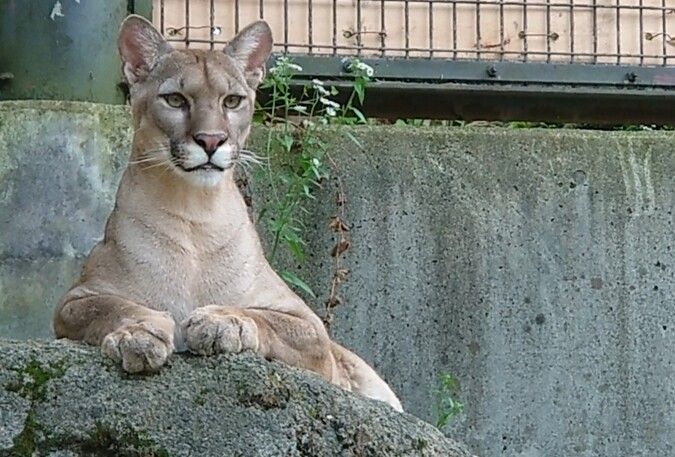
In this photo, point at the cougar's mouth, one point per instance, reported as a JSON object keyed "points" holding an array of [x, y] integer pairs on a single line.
{"points": [[208, 166]]}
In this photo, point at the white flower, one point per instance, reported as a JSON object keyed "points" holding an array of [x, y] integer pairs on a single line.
{"points": [[331, 111], [294, 66], [299, 108], [322, 90], [316, 162], [365, 68], [317, 82], [329, 103]]}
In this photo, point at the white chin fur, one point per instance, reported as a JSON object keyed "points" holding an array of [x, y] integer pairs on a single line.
{"points": [[203, 178]]}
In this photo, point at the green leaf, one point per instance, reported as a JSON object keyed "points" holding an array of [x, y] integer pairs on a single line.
{"points": [[354, 140], [287, 142], [447, 407], [293, 280], [296, 249], [360, 115], [360, 89]]}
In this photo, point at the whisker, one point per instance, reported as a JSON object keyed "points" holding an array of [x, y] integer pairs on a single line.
{"points": [[246, 166], [247, 153], [147, 152], [149, 155], [143, 160], [163, 162], [166, 168], [253, 159], [250, 160]]}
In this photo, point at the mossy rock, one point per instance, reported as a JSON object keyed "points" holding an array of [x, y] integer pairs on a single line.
{"points": [[64, 399]]}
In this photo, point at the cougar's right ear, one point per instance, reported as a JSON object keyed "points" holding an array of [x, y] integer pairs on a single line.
{"points": [[140, 46]]}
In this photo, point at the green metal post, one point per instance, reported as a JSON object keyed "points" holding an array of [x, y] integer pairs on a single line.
{"points": [[62, 49]]}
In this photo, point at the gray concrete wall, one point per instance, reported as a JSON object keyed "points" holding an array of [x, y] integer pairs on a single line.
{"points": [[536, 266]]}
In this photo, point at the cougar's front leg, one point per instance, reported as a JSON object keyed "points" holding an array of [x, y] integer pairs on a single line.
{"points": [[273, 334], [138, 337]]}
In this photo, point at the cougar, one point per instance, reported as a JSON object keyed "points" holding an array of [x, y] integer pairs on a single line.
{"points": [[181, 265]]}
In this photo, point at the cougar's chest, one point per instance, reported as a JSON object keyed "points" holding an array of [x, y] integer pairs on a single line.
{"points": [[219, 260]]}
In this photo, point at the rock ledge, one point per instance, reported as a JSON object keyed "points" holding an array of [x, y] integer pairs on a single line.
{"points": [[63, 399]]}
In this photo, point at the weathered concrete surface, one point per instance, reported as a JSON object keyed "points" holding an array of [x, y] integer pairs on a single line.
{"points": [[59, 168], [536, 266], [61, 398]]}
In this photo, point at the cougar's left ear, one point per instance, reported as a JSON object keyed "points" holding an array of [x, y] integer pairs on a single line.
{"points": [[252, 47]]}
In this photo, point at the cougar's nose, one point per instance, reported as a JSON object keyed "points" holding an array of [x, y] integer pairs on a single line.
{"points": [[210, 141]]}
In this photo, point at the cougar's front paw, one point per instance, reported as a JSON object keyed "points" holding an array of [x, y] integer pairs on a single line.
{"points": [[139, 347], [210, 331]]}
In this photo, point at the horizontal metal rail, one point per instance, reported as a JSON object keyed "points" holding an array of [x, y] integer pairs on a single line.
{"points": [[444, 71], [506, 91]]}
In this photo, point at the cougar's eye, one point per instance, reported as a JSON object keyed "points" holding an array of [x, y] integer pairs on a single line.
{"points": [[175, 100], [232, 101]]}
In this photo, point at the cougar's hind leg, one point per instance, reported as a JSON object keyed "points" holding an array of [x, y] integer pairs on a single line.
{"points": [[362, 378]]}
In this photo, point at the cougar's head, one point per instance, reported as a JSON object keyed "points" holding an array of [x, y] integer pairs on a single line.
{"points": [[192, 108]]}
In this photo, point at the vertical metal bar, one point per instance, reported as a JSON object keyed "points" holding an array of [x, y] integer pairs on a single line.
{"points": [[572, 31], [141, 7], [187, 23], [618, 31], [454, 30], [595, 31], [478, 37], [642, 34], [382, 29], [310, 21], [285, 26], [431, 28], [359, 40], [501, 29], [212, 8], [665, 33], [525, 51], [236, 16], [406, 10], [548, 31], [334, 27], [261, 9], [161, 17]]}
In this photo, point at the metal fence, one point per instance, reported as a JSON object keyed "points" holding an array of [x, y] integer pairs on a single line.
{"points": [[593, 44]]}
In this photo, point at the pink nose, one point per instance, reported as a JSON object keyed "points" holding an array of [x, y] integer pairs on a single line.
{"points": [[210, 141]]}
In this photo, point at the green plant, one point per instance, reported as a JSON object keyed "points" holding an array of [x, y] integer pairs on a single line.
{"points": [[297, 153], [447, 405]]}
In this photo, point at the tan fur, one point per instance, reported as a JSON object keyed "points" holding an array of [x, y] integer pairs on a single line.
{"points": [[181, 265]]}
